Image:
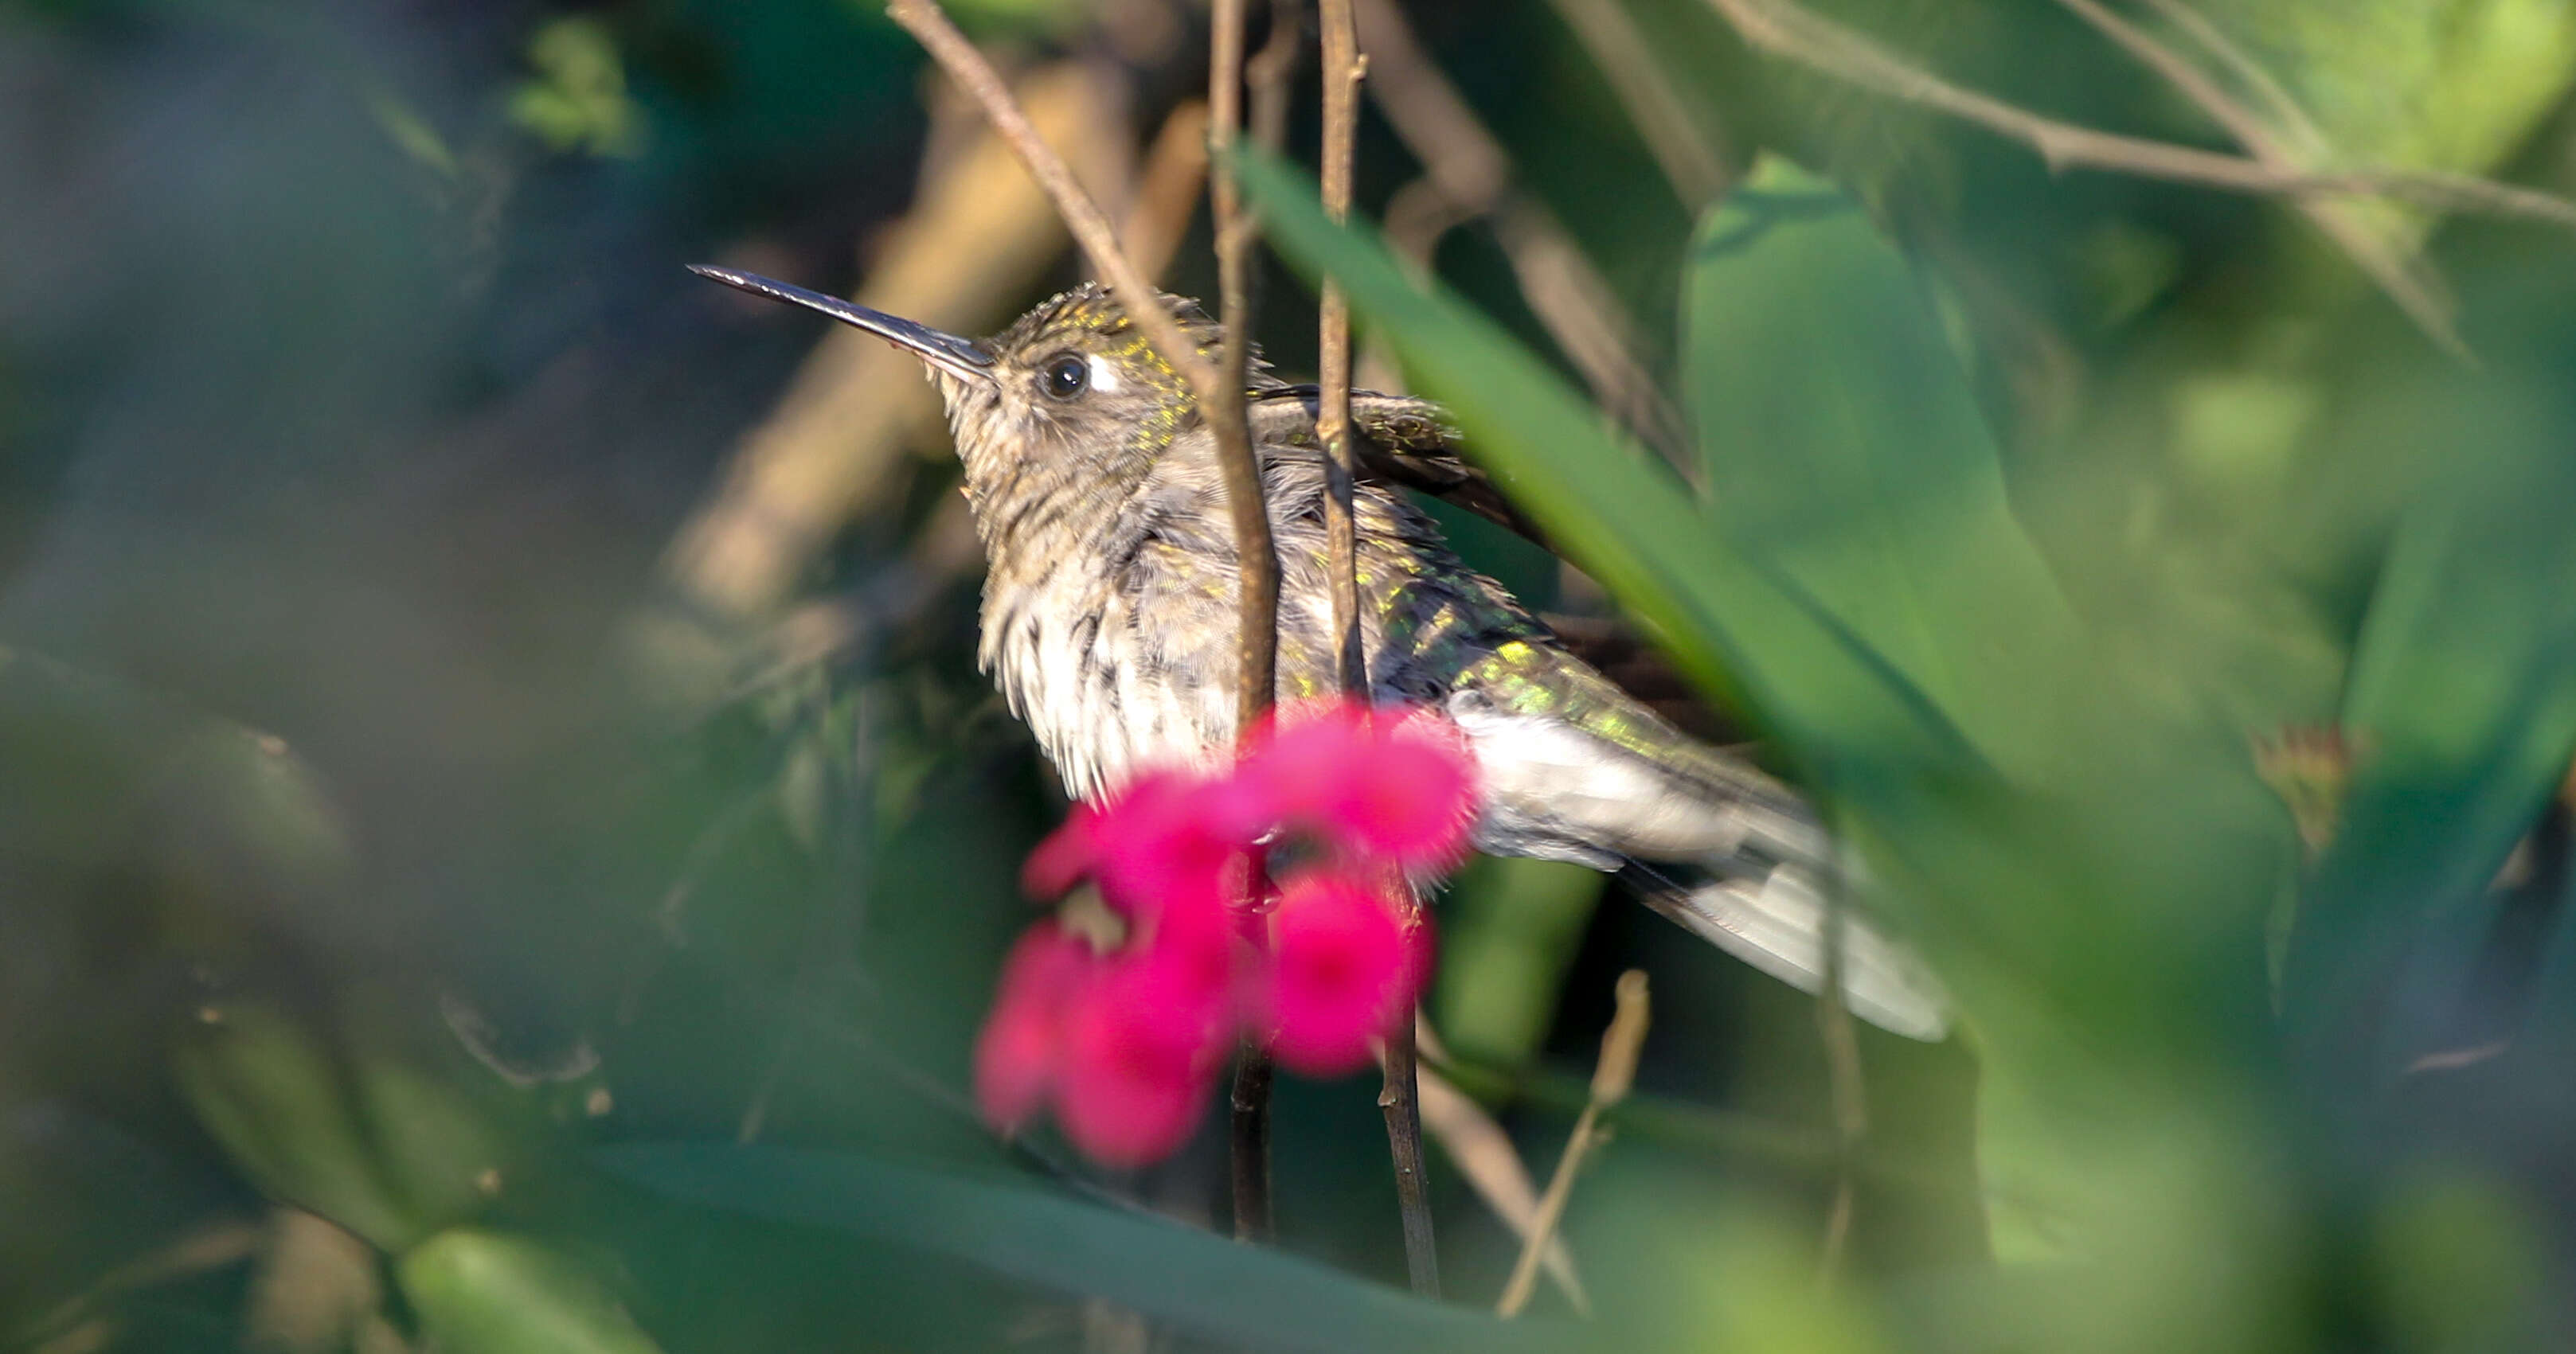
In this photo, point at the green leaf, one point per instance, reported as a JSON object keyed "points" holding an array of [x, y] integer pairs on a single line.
{"points": [[1841, 440], [1203, 1283]]}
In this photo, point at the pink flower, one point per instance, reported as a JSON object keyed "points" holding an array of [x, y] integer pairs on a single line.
{"points": [[1344, 969], [1153, 848], [1140, 1058], [1022, 1046], [1125, 1043], [1382, 784]]}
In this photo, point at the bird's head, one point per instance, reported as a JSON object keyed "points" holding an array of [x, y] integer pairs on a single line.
{"points": [[1071, 394]]}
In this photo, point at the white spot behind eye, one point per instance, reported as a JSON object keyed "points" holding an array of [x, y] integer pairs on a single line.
{"points": [[1104, 374]]}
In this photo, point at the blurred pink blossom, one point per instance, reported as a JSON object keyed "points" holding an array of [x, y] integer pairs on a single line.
{"points": [[1343, 968], [1381, 783], [1124, 1039]]}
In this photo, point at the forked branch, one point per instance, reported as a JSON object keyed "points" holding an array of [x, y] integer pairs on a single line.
{"points": [[1794, 34]]}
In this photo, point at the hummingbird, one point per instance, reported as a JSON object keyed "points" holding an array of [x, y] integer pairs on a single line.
{"points": [[1108, 622]]}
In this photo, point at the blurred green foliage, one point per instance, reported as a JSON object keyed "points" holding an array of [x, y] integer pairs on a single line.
{"points": [[358, 877]]}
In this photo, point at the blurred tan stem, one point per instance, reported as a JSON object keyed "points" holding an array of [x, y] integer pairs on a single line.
{"points": [[977, 239], [1485, 1158], [1611, 1079], [1470, 167], [1270, 75], [1689, 157], [1167, 193]]}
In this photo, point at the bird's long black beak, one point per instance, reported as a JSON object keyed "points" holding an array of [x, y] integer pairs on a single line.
{"points": [[962, 358]]}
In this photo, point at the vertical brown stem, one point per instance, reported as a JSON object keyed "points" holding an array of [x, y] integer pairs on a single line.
{"points": [[1257, 561], [1248, 1157], [1401, 1094], [1256, 556], [1401, 1099], [1342, 71]]}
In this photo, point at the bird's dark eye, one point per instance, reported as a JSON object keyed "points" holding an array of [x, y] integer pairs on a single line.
{"points": [[1066, 376]]}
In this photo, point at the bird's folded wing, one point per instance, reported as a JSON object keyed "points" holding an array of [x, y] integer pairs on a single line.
{"points": [[1403, 441]]}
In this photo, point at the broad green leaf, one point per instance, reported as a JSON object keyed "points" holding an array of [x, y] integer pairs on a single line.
{"points": [[1243, 1295], [1842, 442]]}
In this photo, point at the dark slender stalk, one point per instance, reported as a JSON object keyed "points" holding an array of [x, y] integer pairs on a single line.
{"points": [[1257, 559], [1401, 1099], [1249, 1157]]}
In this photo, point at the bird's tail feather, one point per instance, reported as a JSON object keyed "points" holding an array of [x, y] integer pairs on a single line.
{"points": [[1776, 923]]}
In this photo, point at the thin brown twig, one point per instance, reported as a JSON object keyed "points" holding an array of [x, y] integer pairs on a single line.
{"points": [[1248, 1122], [1570, 297], [1689, 157], [1400, 1094], [1611, 1078], [2410, 283], [1794, 34], [1344, 67], [1221, 400], [1399, 1099]]}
